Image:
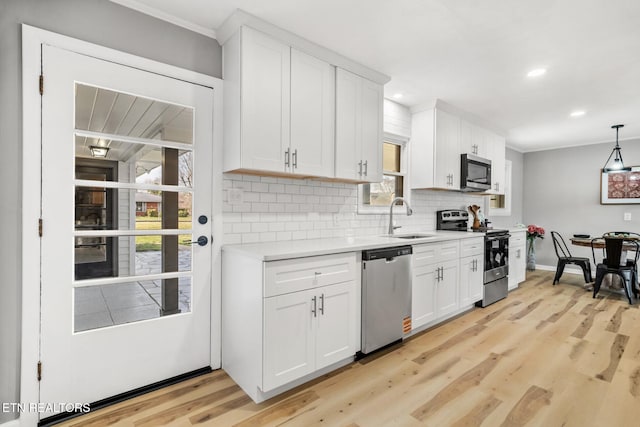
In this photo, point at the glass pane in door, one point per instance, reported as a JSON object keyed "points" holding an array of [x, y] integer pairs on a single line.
{"points": [[133, 208]]}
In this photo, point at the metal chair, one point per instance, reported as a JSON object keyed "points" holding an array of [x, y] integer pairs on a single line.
{"points": [[565, 257], [611, 264]]}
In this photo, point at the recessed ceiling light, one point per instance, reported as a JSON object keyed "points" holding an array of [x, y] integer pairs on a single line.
{"points": [[577, 113], [397, 95], [537, 72]]}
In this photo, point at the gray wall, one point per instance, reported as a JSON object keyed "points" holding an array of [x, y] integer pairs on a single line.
{"points": [[562, 193], [517, 176], [96, 21]]}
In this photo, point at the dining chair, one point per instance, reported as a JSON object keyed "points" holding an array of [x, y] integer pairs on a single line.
{"points": [[565, 257], [613, 247]]}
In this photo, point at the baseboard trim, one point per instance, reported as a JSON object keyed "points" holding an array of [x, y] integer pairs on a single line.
{"points": [[65, 416], [568, 269]]}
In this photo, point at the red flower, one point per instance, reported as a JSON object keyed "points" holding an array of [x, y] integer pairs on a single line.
{"points": [[534, 231]]}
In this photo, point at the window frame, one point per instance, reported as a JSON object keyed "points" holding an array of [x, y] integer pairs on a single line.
{"points": [[403, 142]]}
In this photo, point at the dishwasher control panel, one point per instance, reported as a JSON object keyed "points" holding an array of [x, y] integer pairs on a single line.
{"points": [[372, 254]]}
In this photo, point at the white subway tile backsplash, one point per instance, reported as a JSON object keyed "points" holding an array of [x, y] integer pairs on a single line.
{"points": [[259, 187], [276, 188], [285, 209]]}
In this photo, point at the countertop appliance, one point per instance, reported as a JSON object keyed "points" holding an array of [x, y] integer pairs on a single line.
{"points": [[496, 254], [386, 296], [475, 173]]}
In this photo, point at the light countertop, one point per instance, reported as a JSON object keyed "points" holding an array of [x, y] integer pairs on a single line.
{"points": [[273, 251]]}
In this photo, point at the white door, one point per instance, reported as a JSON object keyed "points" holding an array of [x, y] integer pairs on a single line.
{"points": [[348, 125], [423, 295], [371, 111], [126, 187], [447, 288]]}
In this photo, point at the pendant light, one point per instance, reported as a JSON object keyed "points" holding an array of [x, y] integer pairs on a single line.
{"points": [[617, 165]]}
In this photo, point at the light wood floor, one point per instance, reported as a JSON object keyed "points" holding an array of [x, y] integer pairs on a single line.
{"points": [[545, 356]]}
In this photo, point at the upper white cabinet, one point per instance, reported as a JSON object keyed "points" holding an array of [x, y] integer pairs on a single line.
{"points": [[474, 139], [312, 115], [358, 128], [497, 157], [279, 108], [435, 150]]}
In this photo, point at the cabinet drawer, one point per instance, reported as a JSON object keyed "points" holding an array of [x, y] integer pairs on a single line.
{"points": [[473, 246], [517, 238], [430, 253], [298, 274]]}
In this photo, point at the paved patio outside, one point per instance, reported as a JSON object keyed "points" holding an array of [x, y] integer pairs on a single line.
{"points": [[109, 305]]}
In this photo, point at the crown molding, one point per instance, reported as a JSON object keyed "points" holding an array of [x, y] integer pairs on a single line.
{"points": [[159, 14], [241, 18]]}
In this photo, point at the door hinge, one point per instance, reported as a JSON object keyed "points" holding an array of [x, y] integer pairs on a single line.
{"points": [[41, 84], [39, 371], [40, 227]]}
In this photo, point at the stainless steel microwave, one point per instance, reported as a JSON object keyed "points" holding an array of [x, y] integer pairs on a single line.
{"points": [[475, 173]]}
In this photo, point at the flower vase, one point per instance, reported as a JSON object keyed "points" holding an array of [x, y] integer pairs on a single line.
{"points": [[531, 256]]}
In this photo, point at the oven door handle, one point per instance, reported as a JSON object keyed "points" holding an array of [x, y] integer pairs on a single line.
{"points": [[503, 237]]}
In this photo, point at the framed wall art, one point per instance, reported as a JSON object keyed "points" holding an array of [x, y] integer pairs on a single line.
{"points": [[620, 187]]}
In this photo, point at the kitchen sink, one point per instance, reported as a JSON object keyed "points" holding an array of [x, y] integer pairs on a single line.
{"points": [[409, 236]]}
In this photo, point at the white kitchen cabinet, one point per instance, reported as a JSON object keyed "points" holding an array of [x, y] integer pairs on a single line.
{"points": [[312, 115], [471, 270], [358, 128], [497, 157], [279, 108], [285, 322], [306, 331], [435, 150], [473, 139], [517, 258], [434, 281]]}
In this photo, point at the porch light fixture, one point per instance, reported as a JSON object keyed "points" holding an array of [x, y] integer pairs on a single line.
{"points": [[97, 151], [617, 165]]}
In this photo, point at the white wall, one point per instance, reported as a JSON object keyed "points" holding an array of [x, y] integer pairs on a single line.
{"points": [[562, 193]]}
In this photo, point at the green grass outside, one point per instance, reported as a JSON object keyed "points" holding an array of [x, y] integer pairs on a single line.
{"points": [[154, 243]]}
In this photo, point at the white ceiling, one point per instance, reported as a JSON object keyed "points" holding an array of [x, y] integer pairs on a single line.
{"points": [[474, 55]]}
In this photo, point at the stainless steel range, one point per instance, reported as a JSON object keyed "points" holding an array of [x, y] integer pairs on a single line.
{"points": [[496, 254]]}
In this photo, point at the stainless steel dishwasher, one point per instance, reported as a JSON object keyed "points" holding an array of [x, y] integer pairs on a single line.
{"points": [[386, 296]]}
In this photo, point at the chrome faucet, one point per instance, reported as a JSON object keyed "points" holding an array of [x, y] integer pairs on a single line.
{"points": [[393, 202]]}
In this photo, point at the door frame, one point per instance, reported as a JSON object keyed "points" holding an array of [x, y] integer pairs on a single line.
{"points": [[32, 40]]}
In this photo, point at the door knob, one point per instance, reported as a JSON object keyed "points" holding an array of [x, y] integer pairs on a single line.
{"points": [[202, 219], [202, 241]]}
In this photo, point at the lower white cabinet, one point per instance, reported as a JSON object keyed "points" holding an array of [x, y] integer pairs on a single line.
{"points": [[434, 281], [286, 321], [471, 270], [306, 331], [517, 258]]}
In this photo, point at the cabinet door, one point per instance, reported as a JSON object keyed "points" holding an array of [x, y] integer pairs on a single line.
{"points": [[312, 115], [348, 125], [471, 272], [372, 101], [289, 338], [447, 151], [265, 101], [497, 164], [447, 289], [517, 264], [337, 332], [423, 296]]}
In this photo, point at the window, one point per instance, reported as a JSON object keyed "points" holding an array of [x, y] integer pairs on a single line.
{"points": [[376, 197]]}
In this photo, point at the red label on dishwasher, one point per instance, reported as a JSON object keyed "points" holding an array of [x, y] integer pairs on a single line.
{"points": [[406, 325]]}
